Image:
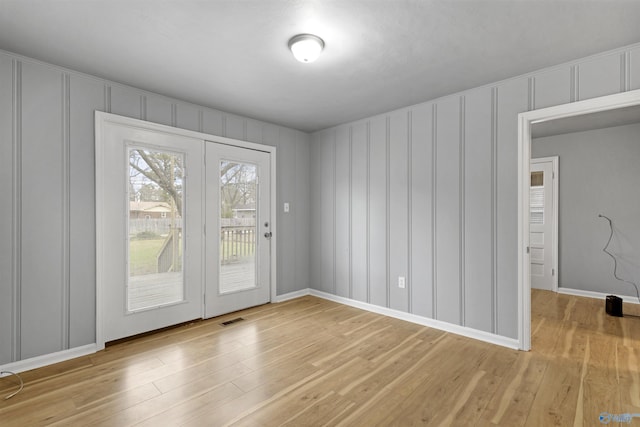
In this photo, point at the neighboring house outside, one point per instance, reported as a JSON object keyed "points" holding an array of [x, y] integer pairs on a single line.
{"points": [[244, 211], [149, 210]]}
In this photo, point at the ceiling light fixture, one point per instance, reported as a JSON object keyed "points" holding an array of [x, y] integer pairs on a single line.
{"points": [[306, 47]]}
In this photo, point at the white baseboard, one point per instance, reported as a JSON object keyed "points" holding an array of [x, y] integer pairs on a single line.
{"points": [[48, 359], [593, 294], [72, 353], [292, 295], [424, 321]]}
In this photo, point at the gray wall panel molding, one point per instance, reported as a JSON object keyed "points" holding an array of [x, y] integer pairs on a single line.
{"points": [[378, 212], [342, 187], [387, 228], [368, 124], [494, 209], [600, 76], [575, 84], [552, 87], [107, 98], [624, 84], [633, 74], [86, 96], [434, 211], [350, 201], [66, 211], [42, 240], [462, 200], [512, 99], [409, 261], [8, 285], [16, 238]]}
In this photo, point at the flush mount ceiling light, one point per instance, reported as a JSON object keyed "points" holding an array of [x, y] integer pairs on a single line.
{"points": [[306, 47]]}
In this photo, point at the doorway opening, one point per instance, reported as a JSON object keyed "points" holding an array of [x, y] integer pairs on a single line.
{"points": [[590, 111]]}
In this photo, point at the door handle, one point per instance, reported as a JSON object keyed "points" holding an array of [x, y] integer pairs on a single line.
{"points": [[268, 234]]}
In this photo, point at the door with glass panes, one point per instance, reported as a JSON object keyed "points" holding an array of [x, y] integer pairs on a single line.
{"points": [[172, 227], [151, 219], [237, 256]]}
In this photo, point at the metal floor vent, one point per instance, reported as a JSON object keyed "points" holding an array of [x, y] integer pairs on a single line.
{"points": [[229, 322]]}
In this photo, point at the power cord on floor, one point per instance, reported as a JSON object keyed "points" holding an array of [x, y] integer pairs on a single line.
{"points": [[615, 260], [19, 379]]}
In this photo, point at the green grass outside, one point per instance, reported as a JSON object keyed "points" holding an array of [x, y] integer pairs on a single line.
{"points": [[142, 256]]}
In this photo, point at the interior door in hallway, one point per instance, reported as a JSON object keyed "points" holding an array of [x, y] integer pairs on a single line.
{"points": [[543, 223]]}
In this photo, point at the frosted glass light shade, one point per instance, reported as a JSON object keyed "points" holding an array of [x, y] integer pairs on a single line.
{"points": [[306, 47]]}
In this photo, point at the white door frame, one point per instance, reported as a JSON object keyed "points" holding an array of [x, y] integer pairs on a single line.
{"points": [[525, 121], [554, 212], [101, 119]]}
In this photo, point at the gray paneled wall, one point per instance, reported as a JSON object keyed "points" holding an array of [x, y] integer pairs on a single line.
{"points": [[598, 174], [429, 192], [47, 231]]}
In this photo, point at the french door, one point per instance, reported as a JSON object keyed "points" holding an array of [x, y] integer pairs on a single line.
{"points": [[238, 228], [178, 237], [151, 226]]}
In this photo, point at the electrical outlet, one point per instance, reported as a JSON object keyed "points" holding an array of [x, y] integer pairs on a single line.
{"points": [[401, 282]]}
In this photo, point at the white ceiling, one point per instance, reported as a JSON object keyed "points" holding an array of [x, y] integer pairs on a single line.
{"points": [[380, 55]]}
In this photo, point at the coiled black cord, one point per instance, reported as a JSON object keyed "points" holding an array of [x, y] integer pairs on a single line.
{"points": [[615, 260]]}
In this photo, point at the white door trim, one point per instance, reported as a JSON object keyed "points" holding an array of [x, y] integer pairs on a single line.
{"points": [[101, 118], [554, 212], [525, 121]]}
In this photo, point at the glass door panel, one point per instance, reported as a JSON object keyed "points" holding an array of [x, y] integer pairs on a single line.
{"points": [[155, 244], [238, 214], [238, 249]]}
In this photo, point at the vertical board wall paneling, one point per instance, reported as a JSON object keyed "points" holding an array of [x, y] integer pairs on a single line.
{"points": [[300, 211], [459, 204], [44, 257], [552, 87], [316, 209], [448, 211], [512, 99], [599, 76], [188, 117], [359, 212], [47, 171], [378, 211], [254, 131], [126, 101], [633, 69], [158, 109], [421, 277], [342, 211], [8, 147], [86, 96], [398, 244], [212, 122], [286, 155], [327, 212], [479, 240], [234, 127]]}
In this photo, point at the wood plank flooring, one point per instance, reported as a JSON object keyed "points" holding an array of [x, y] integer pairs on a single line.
{"points": [[312, 362]]}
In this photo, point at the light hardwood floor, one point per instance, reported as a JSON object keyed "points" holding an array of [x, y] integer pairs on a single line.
{"points": [[311, 362]]}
